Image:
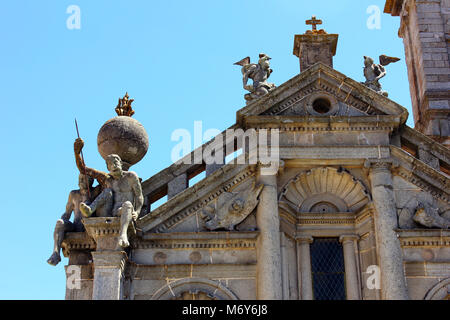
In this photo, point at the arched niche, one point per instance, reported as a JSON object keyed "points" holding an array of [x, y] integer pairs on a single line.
{"points": [[324, 190], [194, 287], [440, 291]]}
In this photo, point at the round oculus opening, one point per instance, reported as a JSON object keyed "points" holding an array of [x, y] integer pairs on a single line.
{"points": [[321, 105]]}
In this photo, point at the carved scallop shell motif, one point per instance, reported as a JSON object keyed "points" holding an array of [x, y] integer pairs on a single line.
{"points": [[320, 188]]}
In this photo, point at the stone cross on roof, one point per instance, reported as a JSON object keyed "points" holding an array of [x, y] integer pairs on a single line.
{"points": [[314, 22]]}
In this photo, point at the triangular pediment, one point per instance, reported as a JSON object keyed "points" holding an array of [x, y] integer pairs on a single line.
{"points": [[303, 96]]}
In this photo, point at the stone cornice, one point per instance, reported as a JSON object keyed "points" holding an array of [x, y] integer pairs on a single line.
{"points": [[394, 7], [419, 238], [198, 240], [417, 138], [77, 241], [332, 123], [195, 198], [336, 218]]}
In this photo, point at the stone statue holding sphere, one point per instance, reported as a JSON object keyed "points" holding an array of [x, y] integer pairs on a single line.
{"points": [[122, 190]]}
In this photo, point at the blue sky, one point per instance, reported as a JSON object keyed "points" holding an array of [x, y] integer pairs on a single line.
{"points": [[175, 58]]}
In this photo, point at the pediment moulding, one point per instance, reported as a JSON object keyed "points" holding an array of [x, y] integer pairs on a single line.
{"points": [[420, 174], [192, 200], [323, 78]]}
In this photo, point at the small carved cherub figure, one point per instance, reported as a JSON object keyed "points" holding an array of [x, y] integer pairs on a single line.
{"points": [[124, 106], [374, 72], [259, 73], [63, 225], [232, 208], [122, 190]]}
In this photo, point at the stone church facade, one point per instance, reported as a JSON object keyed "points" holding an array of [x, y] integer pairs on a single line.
{"points": [[357, 208]]}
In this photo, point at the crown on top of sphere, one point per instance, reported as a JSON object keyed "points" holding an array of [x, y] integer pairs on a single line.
{"points": [[124, 106]]}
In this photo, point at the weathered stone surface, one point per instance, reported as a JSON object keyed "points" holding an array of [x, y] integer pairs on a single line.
{"points": [[125, 137], [328, 126]]}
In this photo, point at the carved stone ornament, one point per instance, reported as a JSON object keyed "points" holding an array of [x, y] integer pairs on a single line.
{"points": [[259, 73], [429, 217], [374, 72], [324, 190], [232, 208]]}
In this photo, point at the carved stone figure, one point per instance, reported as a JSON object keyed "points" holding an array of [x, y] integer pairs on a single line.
{"points": [[232, 208], [429, 217], [122, 190], [63, 225], [259, 73], [374, 72]]}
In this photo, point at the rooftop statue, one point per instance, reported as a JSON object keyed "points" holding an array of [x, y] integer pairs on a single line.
{"points": [[122, 191], [374, 72], [259, 73], [85, 194]]}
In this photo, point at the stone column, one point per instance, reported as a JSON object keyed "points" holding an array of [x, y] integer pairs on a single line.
{"points": [[351, 268], [304, 267], [393, 282], [108, 274], [109, 258], [268, 250]]}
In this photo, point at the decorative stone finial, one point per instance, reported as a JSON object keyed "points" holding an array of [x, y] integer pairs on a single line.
{"points": [[314, 22], [124, 106], [315, 46]]}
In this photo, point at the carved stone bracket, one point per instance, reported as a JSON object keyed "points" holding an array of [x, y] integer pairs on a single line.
{"points": [[105, 232]]}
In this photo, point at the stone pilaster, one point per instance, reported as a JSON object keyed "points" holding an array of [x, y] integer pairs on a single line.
{"points": [[108, 274], [269, 285], [393, 282], [77, 246], [351, 267], [304, 267]]}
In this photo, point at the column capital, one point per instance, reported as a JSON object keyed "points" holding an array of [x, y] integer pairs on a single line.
{"points": [[304, 239], [380, 164], [348, 237], [105, 232]]}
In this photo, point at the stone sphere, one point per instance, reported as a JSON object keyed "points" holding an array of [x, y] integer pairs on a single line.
{"points": [[125, 137]]}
